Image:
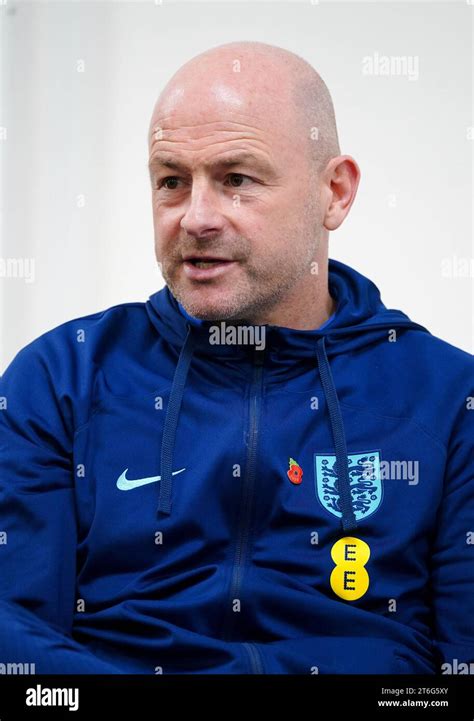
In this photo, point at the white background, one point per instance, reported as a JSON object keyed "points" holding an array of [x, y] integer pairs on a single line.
{"points": [[75, 192]]}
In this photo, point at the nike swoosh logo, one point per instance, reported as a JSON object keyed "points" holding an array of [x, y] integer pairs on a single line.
{"points": [[124, 484]]}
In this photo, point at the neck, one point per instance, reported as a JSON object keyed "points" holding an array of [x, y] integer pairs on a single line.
{"points": [[306, 308]]}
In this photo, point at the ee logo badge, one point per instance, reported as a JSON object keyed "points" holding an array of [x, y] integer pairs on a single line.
{"points": [[349, 579]]}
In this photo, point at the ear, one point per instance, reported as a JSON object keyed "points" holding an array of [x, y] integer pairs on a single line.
{"points": [[340, 182]]}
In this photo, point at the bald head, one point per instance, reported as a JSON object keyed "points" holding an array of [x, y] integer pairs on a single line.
{"points": [[269, 82]]}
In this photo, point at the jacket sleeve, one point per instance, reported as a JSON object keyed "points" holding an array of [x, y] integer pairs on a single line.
{"points": [[37, 515], [452, 569]]}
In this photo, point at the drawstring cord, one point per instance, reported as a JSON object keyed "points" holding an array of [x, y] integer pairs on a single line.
{"points": [[171, 421], [349, 522]]}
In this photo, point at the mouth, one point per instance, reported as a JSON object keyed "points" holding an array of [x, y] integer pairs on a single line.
{"points": [[204, 268]]}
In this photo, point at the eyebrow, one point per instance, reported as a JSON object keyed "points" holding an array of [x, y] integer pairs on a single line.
{"points": [[236, 158]]}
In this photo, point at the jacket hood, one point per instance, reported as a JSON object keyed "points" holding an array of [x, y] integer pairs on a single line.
{"points": [[360, 319]]}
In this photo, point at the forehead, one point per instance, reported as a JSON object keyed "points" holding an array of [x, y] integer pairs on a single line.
{"points": [[189, 118], [218, 144]]}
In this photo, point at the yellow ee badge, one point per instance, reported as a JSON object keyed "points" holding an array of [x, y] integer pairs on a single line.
{"points": [[349, 580]]}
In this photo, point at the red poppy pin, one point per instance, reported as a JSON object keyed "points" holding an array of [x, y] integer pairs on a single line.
{"points": [[295, 474]]}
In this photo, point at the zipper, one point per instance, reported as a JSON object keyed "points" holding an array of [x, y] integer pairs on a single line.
{"points": [[248, 489], [255, 658]]}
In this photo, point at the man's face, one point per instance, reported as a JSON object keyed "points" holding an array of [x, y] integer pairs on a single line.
{"points": [[231, 183]]}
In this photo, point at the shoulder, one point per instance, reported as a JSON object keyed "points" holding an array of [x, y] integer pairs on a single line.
{"points": [[433, 354], [68, 348]]}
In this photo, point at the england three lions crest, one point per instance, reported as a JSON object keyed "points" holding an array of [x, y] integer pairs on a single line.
{"points": [[365, 480]]}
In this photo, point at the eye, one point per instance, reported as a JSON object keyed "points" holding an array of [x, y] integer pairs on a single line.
{"points": [[238, 177], [169, 179]]}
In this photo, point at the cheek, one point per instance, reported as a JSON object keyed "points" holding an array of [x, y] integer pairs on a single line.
{"points": [[166, 228], [270, 227]]}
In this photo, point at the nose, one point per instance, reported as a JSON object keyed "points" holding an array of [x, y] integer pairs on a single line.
{"points": [[203, 215]]}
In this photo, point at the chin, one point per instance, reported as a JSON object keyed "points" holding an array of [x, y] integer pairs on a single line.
{"points": [[209, 313], [214, 309]]}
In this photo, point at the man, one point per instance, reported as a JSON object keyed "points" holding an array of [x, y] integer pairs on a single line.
{"points": [[261, 469]]}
